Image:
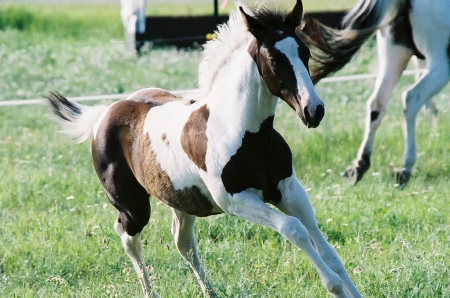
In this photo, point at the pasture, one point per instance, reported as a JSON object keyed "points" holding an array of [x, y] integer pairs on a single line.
{"points": [[57, 237]]}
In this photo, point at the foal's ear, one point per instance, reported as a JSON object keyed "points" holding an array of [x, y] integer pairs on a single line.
{"points": [[255, 27], [295, 17]]}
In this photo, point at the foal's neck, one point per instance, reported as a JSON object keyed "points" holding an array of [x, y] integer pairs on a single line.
{"points": [[239, 95]]}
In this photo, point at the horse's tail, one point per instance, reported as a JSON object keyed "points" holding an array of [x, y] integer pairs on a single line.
{"points": [[331, 48], [77, 120]]}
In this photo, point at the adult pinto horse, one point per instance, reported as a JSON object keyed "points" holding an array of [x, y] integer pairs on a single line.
{"points": [[214, 151], [405, 28]]}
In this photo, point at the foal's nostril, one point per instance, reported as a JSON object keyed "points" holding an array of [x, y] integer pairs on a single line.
{"points": [[307, 115], [320, 112]]}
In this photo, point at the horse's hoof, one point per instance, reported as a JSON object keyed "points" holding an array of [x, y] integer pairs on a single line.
{"points": [[402, 177], [353, 174]]}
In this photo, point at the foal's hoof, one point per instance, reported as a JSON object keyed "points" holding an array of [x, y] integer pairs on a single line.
{"points": [[402, 177], [353, 174]]}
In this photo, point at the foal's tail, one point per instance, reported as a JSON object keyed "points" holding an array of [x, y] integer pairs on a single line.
{"points": [[331, 48], [77, 120]]}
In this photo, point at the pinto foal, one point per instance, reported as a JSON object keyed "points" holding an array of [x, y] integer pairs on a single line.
{"points": [[215, 151]]}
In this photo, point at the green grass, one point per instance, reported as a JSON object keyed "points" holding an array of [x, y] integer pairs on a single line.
{"points": [[57, 236], [102, 21]]}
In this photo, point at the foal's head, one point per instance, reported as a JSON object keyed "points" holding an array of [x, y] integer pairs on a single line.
{"points": [[282, 60]]}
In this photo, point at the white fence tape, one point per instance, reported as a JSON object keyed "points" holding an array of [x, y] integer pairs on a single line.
{"points": [[20, 102]]}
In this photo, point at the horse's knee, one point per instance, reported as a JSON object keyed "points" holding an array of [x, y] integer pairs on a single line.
{"points": [[186, 246], [376, 107], [411, 104], [294, 230]]}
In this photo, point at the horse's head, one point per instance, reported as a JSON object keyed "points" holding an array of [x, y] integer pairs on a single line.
{"points": [[282, 60]]}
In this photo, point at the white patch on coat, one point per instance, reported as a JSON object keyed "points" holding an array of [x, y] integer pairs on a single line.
{"points": [[169, 120]]}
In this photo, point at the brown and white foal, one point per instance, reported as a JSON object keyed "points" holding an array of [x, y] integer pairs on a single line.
{"points": [[214, 151]]}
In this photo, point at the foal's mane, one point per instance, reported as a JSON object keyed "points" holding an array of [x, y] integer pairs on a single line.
{"points": [[229, 37]]}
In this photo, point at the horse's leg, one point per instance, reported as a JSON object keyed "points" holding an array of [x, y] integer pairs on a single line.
{"points": [[131, 200], [183, 233], [295, 202], [392, 61], [430, 84], [141, 14], [133, 13], [133, 247], [129, 20], [134, 215], [248, 206], [140, 24], [430, 108]]}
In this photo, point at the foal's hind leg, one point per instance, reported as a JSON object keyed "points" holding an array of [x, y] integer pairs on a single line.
{"points": [[295, 202], [183, 233], [132, 201], [133, 247], [392, 61], [132, 219]]}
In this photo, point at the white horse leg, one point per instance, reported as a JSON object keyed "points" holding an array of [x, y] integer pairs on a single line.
{"points": [[141, 15], [183, 232], [140, 25], [392, 61], [133, 247], [133, 13], [430, 108], [431, 83], [248, 206], [295, 202]]}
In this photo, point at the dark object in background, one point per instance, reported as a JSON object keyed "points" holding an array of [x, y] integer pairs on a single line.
{"points": [[193, 31]]}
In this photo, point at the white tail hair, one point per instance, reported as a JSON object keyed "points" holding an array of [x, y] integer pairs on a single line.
{"points": [[78, 121]]}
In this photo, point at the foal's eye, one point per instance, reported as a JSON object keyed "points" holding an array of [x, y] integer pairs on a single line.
{"points": [[272, 63]]}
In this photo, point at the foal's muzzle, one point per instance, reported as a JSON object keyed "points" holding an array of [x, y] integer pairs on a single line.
{"points": [[312, 117], [310, 109]]}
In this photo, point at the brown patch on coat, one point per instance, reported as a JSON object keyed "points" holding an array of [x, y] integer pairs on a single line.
{"points": [[129, 170], [189, 199], [112, 154], [193, 139]]}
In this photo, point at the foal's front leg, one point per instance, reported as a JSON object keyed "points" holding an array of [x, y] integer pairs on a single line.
{"points": [[183, 233], [295, 202], [249, 206]]}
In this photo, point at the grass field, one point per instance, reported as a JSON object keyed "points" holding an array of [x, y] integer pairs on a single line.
{"points": [[57, 238], [186, 7]]}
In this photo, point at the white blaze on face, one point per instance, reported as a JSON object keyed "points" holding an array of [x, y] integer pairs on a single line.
{"points": [[289, 47]]}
